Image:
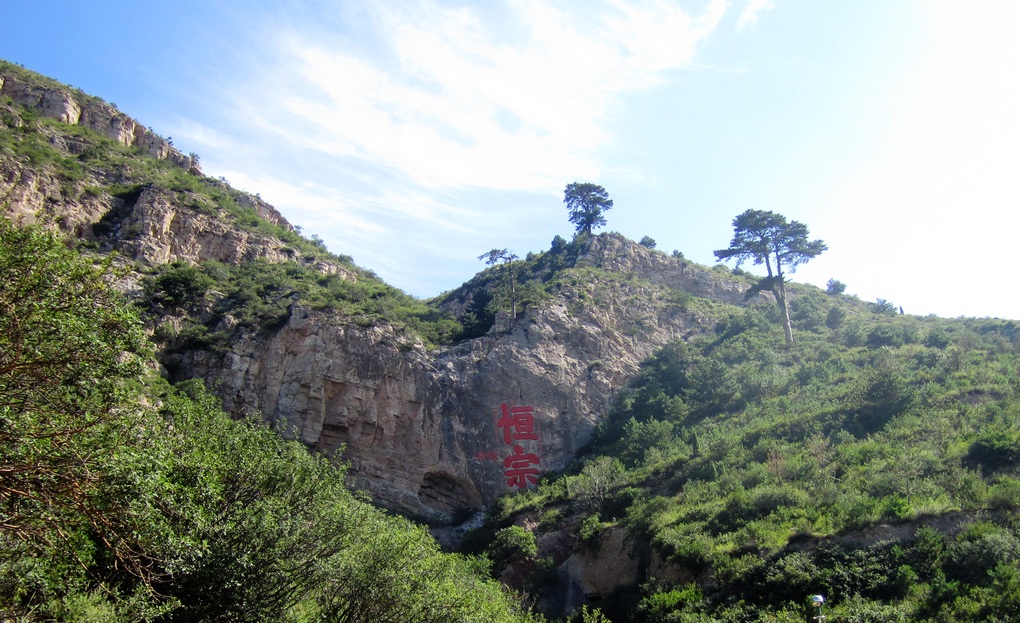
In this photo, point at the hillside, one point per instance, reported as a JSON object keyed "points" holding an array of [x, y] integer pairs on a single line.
{"points": [[622, 428], [326, 352], [875, 463]]}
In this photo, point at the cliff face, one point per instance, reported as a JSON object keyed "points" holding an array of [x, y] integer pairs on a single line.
{"points": [[150, 225], [74, 108], [426, 433], [436, 433]]}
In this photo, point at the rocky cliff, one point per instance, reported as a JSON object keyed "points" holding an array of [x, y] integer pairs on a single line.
{"points": [[436, 433], [75, 108], [430, 433]]}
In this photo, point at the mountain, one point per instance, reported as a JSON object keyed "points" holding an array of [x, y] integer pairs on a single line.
{"points": [[417, 423], [666, 456]]}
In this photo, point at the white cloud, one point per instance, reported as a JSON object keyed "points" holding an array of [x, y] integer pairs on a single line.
{"points": [[750, 15], [451, 99], [414, 135]]}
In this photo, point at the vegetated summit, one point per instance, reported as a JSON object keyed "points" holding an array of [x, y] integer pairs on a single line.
{"points": [[624, 430]]}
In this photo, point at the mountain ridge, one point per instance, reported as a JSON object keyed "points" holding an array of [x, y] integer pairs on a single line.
{"points": [[423, 439], [666, 458]]}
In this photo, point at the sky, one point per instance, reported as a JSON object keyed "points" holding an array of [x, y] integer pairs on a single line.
{"points": [[416, 135]]}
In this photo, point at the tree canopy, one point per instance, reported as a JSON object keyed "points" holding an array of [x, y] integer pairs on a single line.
{"points": [[507, 257], [587, 204], [125, 499], [766, 237]]}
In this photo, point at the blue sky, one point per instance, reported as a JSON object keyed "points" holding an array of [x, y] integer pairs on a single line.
{"points": [[417, 135]]}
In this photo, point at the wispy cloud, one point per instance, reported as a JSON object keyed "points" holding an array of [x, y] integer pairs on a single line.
{"points": [[407, 123], [750, 15], [461, 100]]}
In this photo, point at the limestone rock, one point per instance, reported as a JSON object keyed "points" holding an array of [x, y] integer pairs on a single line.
{"points": [[75, 108], [618, 254], [109, 122], [421, 430], [34, 196], [53, 103], [596, 572], [156, 229]]}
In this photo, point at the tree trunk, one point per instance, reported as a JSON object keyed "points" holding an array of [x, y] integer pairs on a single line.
{"points": [[779, 289], [513, 291]]}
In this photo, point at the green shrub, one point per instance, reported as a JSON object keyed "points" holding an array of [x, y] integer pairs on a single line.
{"points": [[994, 450], [510, 545], [590, 528], [177, 284], [658, 607]]}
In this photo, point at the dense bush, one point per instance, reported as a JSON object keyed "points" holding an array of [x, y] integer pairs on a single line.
{"points": [[124, 499], [510, 545], [758, 472]]}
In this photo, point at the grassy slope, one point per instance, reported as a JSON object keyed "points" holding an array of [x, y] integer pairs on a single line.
{"points": [[761, 473], [757, 471]]}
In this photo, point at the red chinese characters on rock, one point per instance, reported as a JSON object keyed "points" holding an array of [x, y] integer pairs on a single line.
{"points": [[517, 425]]}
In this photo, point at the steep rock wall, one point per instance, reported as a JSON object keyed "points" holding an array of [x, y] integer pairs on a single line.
{"points": [[78, 109], [426, 433], [421, 430]]}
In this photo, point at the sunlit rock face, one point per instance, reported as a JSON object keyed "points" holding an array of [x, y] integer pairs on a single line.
{"points": [[76, 108], [430, 433], [435, 434]]}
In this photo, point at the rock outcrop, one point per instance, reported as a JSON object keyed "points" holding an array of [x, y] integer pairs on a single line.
{"points": [[617, 254], [153, 225], [154, 228], [422, 430], [430, 434], [76, 108]]}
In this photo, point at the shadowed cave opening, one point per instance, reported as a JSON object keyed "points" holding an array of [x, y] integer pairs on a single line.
{"points": [[448, 494]]}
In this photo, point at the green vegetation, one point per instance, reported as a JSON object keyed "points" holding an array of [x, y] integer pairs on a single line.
{"points": [[125, 499], [762, 473], [767, 238], [510, 287], [587, 205], [257, 295], [875, 460], [260, 296], [507, 276]]}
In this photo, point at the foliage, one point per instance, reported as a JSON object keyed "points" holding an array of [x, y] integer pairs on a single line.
{"points": [[124, 499], [508, 276], [261, 296], [767, 238], [511, 544], [740, 464], [177, 283], [587, 204], [835, 286], [69, 353], [882, 306]]}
